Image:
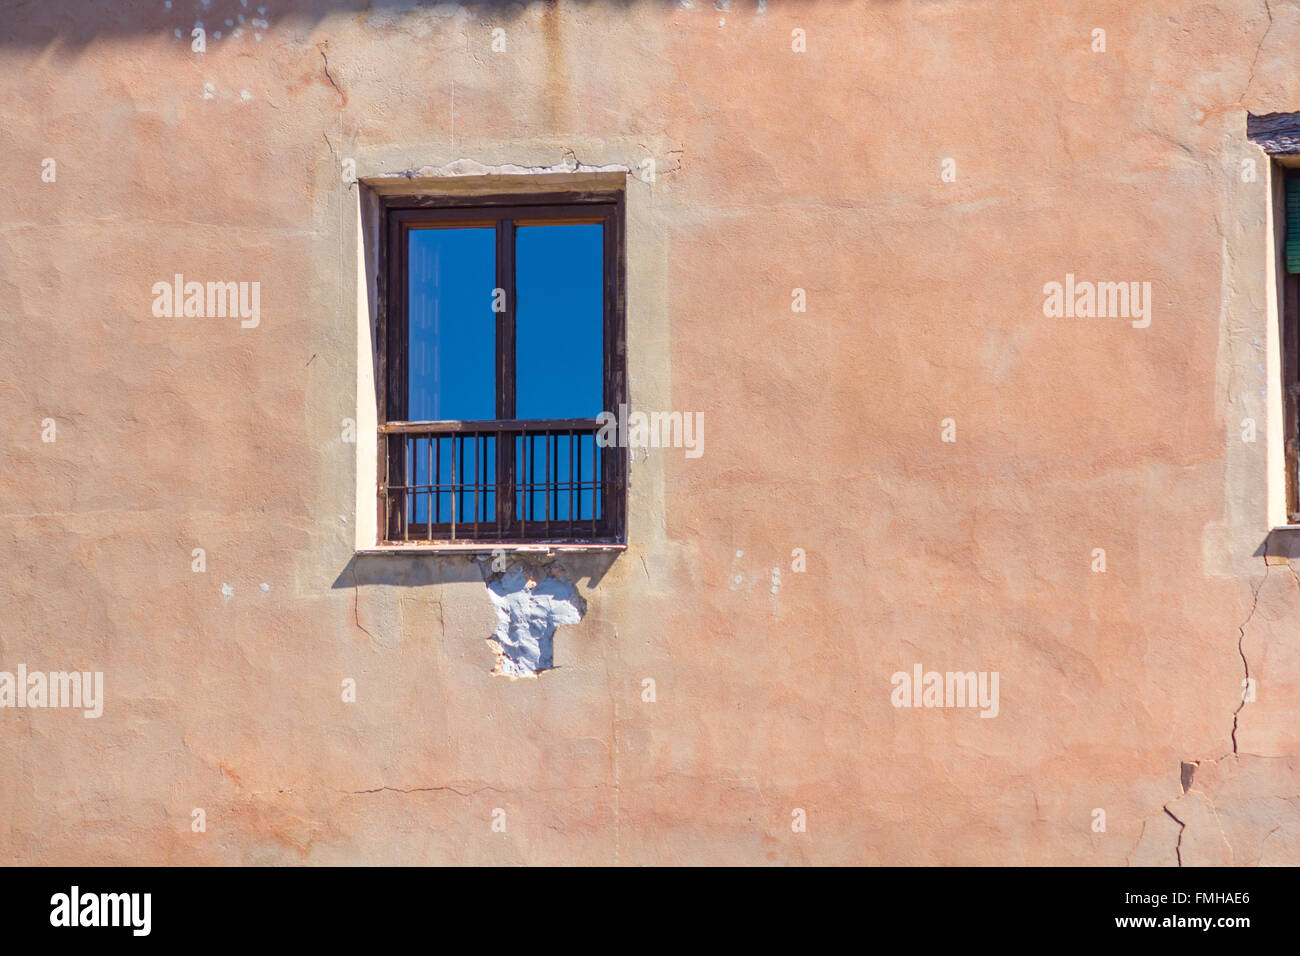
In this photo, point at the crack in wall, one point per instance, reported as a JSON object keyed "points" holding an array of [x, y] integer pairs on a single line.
{"points": [[1241, 651], [1178, 847], [462, 793], [356, 603], [1187, 768], [343, 97], [1255, 59]]}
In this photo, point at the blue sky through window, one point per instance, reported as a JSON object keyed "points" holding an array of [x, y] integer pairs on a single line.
{"points": [[559, 345], [453, 330]]}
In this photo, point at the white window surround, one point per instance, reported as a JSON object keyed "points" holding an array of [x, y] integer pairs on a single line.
{"points": [[460, 178]]}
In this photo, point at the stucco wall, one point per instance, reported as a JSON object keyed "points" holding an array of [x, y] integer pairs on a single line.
{"points": [[819, 170]]}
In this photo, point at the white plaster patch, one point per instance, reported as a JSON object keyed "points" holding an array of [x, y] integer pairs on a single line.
{"points": [[227, 591], [528, 612]]}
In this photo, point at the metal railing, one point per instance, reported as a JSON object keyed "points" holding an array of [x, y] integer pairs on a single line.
{"points": [[507, 481]]}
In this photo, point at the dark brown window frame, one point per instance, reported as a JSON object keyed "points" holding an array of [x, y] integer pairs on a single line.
{"points": [[504, 213], [1289, 295]]}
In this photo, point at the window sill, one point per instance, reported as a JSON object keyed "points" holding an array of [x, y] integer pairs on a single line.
{"points": [[492, 547]]}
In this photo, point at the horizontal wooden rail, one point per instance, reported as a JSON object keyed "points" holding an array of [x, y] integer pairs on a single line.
{"points": [[519, 425]]}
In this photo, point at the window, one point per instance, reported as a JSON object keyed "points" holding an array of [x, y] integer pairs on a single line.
{"points": [[501, 341]]}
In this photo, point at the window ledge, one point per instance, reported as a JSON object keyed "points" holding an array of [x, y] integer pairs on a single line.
{"points": [[492, 547]]}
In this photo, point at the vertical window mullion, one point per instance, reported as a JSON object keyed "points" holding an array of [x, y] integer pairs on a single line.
{"points": [[506, 369]]}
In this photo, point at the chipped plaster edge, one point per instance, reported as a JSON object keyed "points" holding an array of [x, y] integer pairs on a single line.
{"points": [[531, 574], [465, 171]]}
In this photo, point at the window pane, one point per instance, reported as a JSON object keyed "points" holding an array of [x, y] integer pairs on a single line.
{"points": [[452, 345], [559, 338]]}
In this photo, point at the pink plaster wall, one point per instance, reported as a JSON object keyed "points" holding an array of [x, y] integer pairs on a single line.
{"points": [[775, 170]]}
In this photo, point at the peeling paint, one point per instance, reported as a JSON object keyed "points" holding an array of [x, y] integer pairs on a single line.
{"points": [[529, 610]]}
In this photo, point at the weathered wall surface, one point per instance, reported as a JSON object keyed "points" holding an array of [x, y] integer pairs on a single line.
{"points": [[818, 170]]}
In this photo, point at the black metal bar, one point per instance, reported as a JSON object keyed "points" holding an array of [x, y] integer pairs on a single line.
{"points": [[524, 510], [406, 481], [553, 480]]}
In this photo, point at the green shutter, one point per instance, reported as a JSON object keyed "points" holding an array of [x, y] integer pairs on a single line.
{"points": [[1293, 224]]}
